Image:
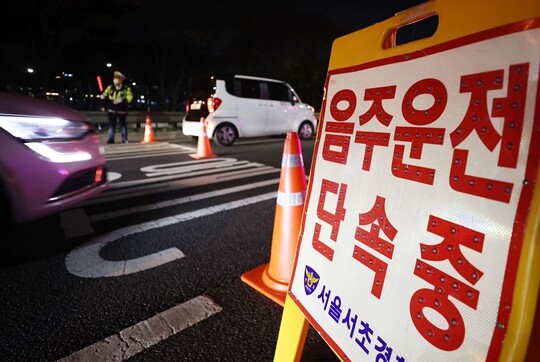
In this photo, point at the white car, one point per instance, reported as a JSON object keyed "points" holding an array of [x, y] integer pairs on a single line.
{"points": [[240, 106]]}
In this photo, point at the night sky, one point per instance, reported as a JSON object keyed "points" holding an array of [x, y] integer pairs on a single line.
{"points": [[161, 45]]}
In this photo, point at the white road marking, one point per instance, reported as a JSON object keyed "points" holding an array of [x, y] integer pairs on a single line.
{"points": [[112, 176], [137, 338], [196, 167], [137, 188], [179, 175], [86, 261], [186, 169], [136, 150], [179, 201]]}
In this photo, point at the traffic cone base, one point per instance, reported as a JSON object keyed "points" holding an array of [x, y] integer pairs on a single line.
{"points": [[259, 280], [205, 152], [272, 279], [149, 136]]}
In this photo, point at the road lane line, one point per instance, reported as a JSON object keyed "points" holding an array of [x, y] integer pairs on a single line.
{"points": [[193, 167], [187, 170], [147, 187], [86, 261], [135, 339], [148, 150], [179, 201], [241, 168]]}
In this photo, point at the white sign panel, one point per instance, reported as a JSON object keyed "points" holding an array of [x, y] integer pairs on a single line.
{"points": [[422, 178]]}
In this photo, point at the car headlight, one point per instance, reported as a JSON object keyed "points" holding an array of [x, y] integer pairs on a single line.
{"points": [[36, 131], [43, 128]]}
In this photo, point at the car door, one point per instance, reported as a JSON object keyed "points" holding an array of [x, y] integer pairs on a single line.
{"points": [[251, 107], [280, 111]]}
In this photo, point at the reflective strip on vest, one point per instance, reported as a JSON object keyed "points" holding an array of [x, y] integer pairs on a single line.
{"points": [[292, 160], [291, 198]]}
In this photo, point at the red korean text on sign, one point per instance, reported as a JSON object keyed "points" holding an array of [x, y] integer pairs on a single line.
{"points": [[378, 221], [444, 285], [477, 118], [370, 138], [418, 136], [331, 219], [337, 139]]}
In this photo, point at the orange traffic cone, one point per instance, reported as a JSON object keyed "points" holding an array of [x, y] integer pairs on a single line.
{"points": [[203, 144], [272, 279], [148, 131]]}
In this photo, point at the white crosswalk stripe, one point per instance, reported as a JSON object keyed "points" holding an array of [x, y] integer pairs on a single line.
{"points": [[167, 177], [140, 150]]}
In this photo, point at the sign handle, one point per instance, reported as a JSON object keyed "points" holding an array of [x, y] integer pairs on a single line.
{"points": [[292, 333]]}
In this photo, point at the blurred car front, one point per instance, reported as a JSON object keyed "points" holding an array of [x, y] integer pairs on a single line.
{"points": [[50, 159]]}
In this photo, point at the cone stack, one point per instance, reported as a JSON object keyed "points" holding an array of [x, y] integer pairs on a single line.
{"points": [[272, 279]]}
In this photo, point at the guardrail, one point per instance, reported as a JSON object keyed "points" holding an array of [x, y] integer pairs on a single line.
{"points": [[138, 119]]}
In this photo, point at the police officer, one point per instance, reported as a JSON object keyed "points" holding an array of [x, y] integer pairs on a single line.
{"points": [[117, 97]]}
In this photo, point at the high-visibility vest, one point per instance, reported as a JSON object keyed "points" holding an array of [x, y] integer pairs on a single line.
{"points": [[111, 93]]}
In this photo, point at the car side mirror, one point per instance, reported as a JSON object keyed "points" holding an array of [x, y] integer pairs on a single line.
{"points": [[294, 100]]}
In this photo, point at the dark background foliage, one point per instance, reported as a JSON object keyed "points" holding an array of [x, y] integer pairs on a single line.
{"points": [[161, 45]]}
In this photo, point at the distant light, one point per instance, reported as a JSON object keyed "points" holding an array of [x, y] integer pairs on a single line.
{"points": [[30, 70], [109, 65]]}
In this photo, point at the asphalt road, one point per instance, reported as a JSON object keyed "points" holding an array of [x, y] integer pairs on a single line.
{"points": [[150, 270]]}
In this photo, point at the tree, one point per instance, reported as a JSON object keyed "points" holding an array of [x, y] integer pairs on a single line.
{"points": [[39, 33]]}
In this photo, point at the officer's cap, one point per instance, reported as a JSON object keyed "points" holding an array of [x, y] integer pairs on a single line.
{"points": [[117, 74]]}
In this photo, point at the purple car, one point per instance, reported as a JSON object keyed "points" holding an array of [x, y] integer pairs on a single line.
{"points": [[50, 159]]}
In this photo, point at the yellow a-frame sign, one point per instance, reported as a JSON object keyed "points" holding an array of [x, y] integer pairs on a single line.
{"points": [[420, 234]]}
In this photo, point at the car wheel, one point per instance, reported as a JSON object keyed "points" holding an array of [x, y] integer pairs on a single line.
{"points": [[305, 131], [225, 134]]}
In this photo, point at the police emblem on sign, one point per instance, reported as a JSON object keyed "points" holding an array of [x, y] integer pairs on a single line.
{"points": [[311, 280]]}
